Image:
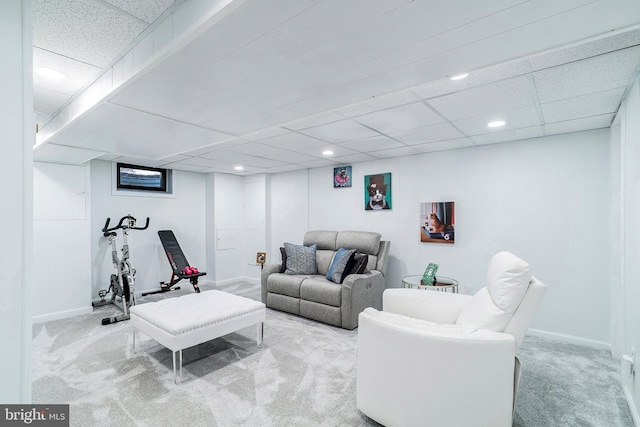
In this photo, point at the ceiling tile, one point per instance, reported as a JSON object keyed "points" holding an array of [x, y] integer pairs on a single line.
{"points": [[585, 123], [374, 143], [508, 135], [257, 149], [581, 51], [183, 167], [597, 74], [476, 78], [148, 10], [88, 31], [451, 144], [344, 130], [408, 116], [499, 96], [376, 103], [109, 157], [260, 162], [426, 134], [293, 141], [291, 157], [76, 73], [317, 120], [48, 101], [338, 150], [522, 117], [583, 106], [319, 163], [266, 133], [174, 158], [354, 158], [394, 152]]}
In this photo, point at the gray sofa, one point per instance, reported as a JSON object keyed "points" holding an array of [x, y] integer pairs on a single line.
{"points": [[315, 297]]}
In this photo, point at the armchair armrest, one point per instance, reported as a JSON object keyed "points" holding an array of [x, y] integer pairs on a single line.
{"points": [[267, 270], [439, 307], [360, 291], [414, 373]]}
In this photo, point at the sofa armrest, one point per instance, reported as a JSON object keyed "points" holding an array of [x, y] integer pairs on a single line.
{"points": [[412, 373], [360, 291], [267, 270], [434, 306]]}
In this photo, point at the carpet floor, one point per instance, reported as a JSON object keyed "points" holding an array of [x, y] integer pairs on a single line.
{"points": [[303, 375]]}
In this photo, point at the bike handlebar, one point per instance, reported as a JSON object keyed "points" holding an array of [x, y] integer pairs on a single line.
{"points": [[126, 222]]}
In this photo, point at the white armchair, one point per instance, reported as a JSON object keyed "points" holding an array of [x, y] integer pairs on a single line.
{"points": [[441, 359]]}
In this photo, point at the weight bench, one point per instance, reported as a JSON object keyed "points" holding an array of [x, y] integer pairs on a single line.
{"points": [[178, 262]]}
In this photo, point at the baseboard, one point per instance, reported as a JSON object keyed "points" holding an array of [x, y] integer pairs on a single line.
{"points": [[632, 406], [251, 280], [61, 314], [570, 339]]}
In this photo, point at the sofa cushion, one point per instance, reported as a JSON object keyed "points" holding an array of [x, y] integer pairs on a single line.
{"points": [[362, 241], [359, 264], [285, 284], [339, 264], [323, 260], [322, 238], [300, 259], [283, 266], [320, 290], [507, 280]]}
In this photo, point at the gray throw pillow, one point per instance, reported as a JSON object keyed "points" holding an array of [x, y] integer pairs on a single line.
{"points": [[301, 259], [339, 264]]}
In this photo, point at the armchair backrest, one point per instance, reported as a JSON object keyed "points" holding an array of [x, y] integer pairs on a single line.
{"points": [[523, 316], [508, 302]]}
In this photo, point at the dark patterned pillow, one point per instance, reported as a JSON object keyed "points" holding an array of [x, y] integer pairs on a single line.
{"points": [[339, 264], [283, 266], [359, 264], [300, 259]]}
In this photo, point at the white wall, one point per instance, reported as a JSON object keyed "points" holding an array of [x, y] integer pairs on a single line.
{"points": [[227, 228], [254, 236], [629, 233], [61, 242], [184, 213], [544, 199], [17, 131], [288, 210]]}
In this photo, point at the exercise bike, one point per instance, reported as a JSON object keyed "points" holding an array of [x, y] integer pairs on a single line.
{"points": [[122, 284]]}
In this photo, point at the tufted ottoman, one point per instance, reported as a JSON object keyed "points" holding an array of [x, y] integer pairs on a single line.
{"points": [[179, 323]]}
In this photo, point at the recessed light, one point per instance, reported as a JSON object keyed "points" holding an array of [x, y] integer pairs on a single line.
{"points": [[49, 73], [460, 76], [327, 153], [239, 168], [496, 124]]}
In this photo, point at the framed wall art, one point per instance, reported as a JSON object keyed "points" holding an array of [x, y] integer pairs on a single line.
{"points": [[377, 192], [342, 177], [437, 222]]}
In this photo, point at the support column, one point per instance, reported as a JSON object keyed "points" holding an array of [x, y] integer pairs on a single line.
{"points": [[17, 135]]}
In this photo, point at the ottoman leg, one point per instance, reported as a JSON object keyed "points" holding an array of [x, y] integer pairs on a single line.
{"points": [[178, 373], [260, 333]]}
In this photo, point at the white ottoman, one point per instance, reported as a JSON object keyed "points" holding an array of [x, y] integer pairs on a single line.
{"points": [[179, 323]]}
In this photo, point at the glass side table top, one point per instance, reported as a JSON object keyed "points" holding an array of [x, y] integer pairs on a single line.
{"points": [[442, 283]]}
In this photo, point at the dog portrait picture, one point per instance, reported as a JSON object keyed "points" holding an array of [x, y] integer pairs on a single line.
{"points": [[342, 177], [437, 222], [377, 192]]}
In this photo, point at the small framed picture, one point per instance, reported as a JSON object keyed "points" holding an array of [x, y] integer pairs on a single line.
{"points": [[342, 177], [261, 258]]}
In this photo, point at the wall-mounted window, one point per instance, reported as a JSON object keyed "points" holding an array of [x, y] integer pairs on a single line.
{"points": [[141, 180]]}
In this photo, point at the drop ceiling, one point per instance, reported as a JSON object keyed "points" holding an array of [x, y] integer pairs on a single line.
{"points": [[207, 86]]}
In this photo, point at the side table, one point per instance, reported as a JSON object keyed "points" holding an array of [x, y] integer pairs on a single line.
{"points": [[443, 284]]}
